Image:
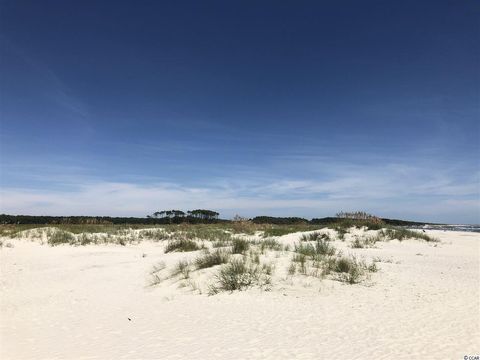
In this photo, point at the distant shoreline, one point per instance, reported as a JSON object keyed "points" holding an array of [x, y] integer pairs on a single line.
{"points": [[450, 227]]}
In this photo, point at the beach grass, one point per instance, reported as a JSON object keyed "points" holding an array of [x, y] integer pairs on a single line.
{"points": [[182, 245], [240, 274], [240, 246], [210, 259], [182, 268], [61, 237]]}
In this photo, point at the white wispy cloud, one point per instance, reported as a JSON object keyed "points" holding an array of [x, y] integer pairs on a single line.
{"points": [[386, 195], [309, 186]]}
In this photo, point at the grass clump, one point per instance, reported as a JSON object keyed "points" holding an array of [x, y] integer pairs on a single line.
{"points": [[341, 231], [182, 245], [269, 244], [277, 231], [369, 224], [349, 270], [221, 243], [357, 243], [239, 274], [155, 234], [372, 267], [292, 269], [402, 234], [155, 277], [240, 246], [206, 232], [320, 248], [207, 260], [365, 242], [254, 255], [315, 236], [158, 267], [302, 261], [319, 260], [61, 237], [182, 268], [268, 269], [280, 230], [85, 239]]}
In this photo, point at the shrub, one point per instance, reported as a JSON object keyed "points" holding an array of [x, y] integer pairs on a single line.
{"points": [[182, 245], [240, 246], [207, 260], [360, 219]]}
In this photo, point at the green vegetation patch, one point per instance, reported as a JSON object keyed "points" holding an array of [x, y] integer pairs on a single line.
{"points": [[182, 245], [240, 274], [209, 259]]}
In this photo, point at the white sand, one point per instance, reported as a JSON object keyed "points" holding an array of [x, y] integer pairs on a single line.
{"points": [[69, 302]]}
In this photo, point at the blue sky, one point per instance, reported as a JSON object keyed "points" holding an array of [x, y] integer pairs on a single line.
{"points": [[257, 108]]}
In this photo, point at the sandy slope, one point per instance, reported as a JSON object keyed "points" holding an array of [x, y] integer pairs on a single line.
{"points": [[75, 303]]}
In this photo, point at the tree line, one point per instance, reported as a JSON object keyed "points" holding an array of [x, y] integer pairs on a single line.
{"points": [[198, 216], [195, 218]]}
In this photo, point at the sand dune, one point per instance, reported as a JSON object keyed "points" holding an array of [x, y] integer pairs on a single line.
{"points": [[94, 302]]}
